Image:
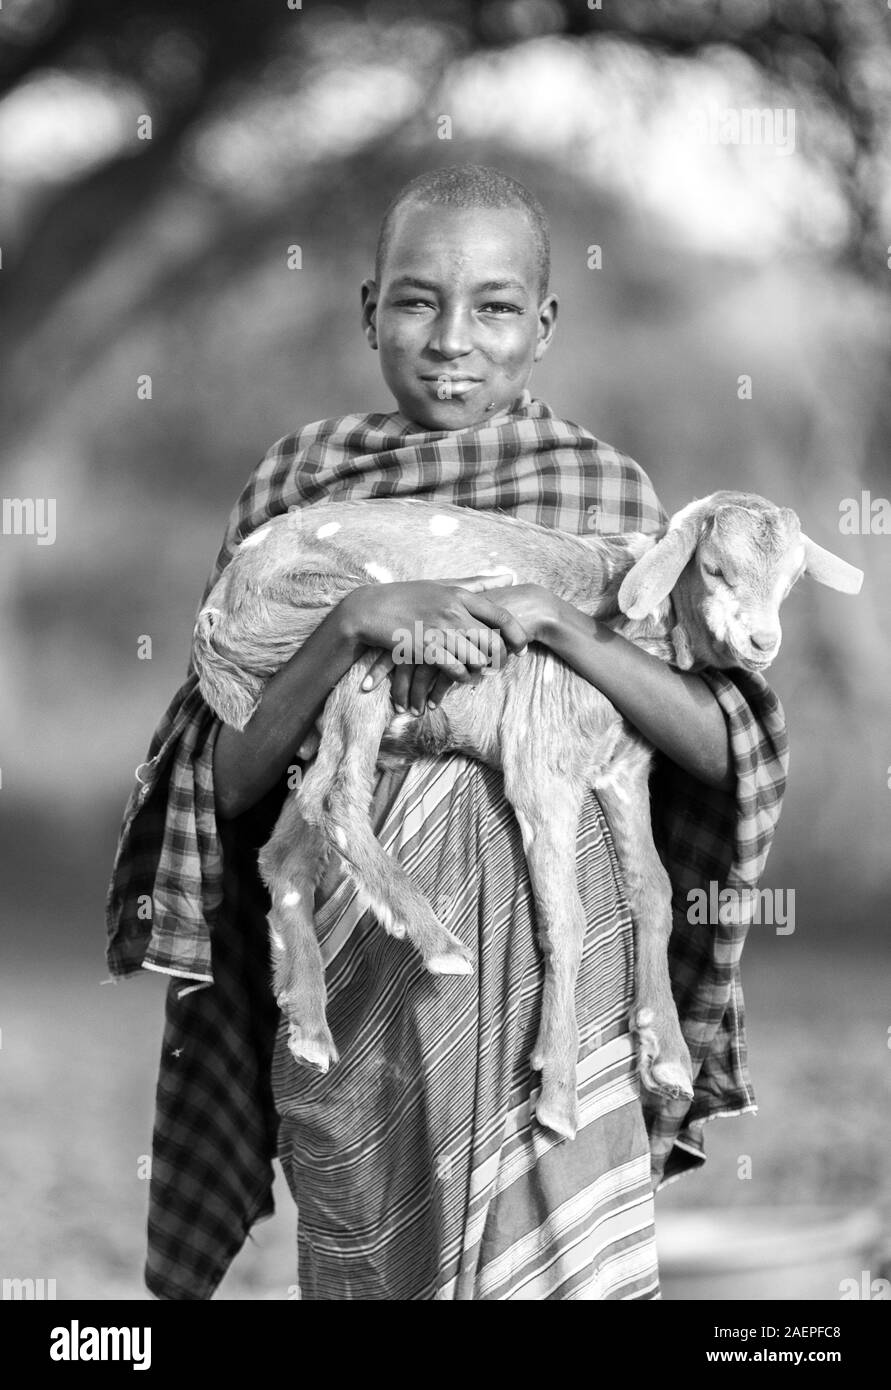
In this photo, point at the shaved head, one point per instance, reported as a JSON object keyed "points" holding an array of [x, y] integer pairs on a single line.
{"points": [[470, 186]]}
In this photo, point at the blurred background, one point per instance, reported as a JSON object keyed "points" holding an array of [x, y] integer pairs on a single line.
{"points": [[159, 164]]}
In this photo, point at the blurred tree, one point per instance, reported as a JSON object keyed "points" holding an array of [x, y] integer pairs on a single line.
{"points": [[271, 125], [184, 54]]}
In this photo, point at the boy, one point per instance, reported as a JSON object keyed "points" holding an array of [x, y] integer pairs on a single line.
{"points": [[416, 1163]]}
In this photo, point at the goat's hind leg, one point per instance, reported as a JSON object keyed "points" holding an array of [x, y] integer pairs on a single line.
{"points": [[290, 865], [664, 1060], [547, 807]]}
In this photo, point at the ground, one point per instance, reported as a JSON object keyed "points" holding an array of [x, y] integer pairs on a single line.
{"points": [[77, 1072]]}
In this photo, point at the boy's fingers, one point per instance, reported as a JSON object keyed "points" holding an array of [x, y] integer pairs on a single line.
{"points": [[475, 583], [413, 686], [470, 651], [492, 615], [422, 681], [310, 746], [455, 654], [430, 685], [379, 671], [400, 686], [490, 641], [439, 689]]}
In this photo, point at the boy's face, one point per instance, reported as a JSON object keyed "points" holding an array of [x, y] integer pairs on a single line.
{"points": [[457, 317]]}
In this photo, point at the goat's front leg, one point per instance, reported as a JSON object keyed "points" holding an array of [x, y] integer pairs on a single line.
{"points": [[336, 797], [290, 865], [664, 1060], [547, 807]]}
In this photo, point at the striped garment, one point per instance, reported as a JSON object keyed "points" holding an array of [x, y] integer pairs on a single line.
{"points": [[417, 1165], [518, 1211]]}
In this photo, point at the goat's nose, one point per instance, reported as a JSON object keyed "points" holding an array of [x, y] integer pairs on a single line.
{"points": [[763, 641]]}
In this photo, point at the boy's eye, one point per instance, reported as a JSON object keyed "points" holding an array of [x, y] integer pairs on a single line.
{"points": [[413, 304], [498, 306]]}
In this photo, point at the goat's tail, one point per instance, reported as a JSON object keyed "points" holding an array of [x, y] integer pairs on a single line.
{"points": [[228, 687], [255, 619]]}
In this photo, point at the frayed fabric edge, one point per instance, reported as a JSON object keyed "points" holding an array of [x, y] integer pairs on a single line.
{"points": [[203, 981], [750, 1109]]}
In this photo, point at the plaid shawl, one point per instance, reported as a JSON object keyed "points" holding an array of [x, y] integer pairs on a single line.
{"points": [[215, 1125]]}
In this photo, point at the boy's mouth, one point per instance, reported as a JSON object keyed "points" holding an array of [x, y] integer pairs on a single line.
{"points": [[446, 385]]}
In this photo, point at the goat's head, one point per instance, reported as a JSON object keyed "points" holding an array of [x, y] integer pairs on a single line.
{"points": [[729, 560]]}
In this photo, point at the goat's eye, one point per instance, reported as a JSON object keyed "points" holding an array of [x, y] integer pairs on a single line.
{"points": [[715, 573]]}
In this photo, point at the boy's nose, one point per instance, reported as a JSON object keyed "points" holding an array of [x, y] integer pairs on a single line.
{"points": [[451, 337]]}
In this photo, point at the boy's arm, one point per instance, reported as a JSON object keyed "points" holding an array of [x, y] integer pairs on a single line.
{"points": [[247, 763], [676, 711]]}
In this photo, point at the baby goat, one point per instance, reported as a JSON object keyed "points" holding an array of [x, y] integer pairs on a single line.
{"points": [[707, 593]]}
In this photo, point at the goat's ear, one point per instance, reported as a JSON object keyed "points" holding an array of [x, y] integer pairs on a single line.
{"points": [[655, 574], [829, 569]]}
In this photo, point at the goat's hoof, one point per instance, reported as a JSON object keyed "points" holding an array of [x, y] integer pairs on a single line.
{"points": [[316, 1048], [669, 1079], [558, 1115], [449, 963], [666, 1076]]}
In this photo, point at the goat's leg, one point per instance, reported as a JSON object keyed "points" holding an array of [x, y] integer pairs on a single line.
{"points": [[336, 797], [664, 1059], [290, 864], [547, 807]]}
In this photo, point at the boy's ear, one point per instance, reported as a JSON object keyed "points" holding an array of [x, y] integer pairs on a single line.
{"points": [[547, 321], [369, 312]]}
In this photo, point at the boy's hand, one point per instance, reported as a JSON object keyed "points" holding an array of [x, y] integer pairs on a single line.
{"points": [[422, 685], [433, 634], [535, 607]]}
